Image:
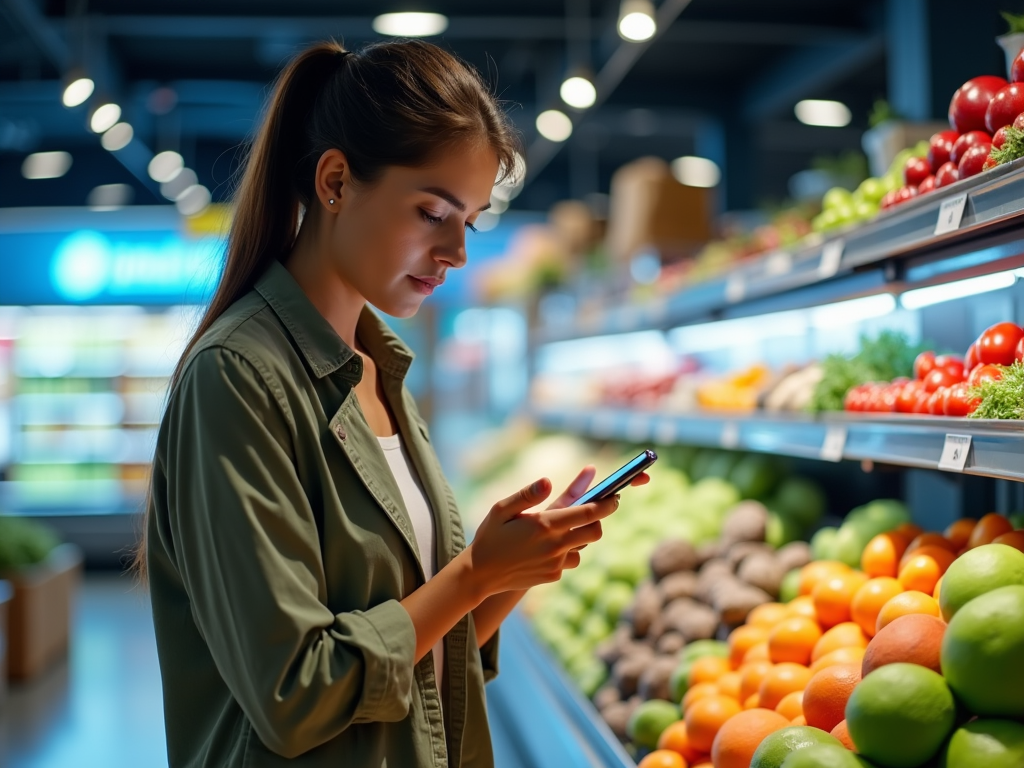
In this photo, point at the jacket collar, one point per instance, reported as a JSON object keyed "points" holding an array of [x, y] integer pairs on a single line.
{"points": [[321, 346]]}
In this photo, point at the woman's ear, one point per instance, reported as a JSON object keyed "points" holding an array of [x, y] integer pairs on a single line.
{"points": [[331, 174]]}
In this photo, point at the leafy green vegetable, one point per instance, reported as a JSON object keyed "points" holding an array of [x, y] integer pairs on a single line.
{"points": [[1003, 399], [24, 542], [841, 374], [1012, 149], [1016, 22]]}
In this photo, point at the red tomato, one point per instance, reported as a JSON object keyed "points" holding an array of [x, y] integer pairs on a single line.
{"points": [[923, 365], [970, 102], [947, 174], [984, 373], [936, 401], [939, 147], [958, 403], [971, 358], [1004, 107], [888, 199], [1019, 353], [973, 160], [926, 186], [955, 365], [999, 137], [989, 164], [965, 142], [1017, 68], [938, 378], [854, 399], [998, 344], [916, 170], [1019, 122], [907, 396], [903, 194], [921, 403]]}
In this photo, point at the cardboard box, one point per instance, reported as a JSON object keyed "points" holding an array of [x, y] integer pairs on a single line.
{"points": [[39, 613], [6, 592]]}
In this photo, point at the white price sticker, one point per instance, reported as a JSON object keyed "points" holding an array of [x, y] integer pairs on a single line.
{"points": [[835, 443], [665, 431], [954, 453], [950, 213], [735, 289], [730, 435], [778, 264], [638, 428], [831, 258]]}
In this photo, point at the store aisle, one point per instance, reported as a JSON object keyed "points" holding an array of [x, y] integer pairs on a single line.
{"points": [[103, 708]]}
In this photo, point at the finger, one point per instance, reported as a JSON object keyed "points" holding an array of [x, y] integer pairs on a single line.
{"points": [[578, 538], [522, 500], [576, 488], [642, 479], [572, 560], [574, 517]]}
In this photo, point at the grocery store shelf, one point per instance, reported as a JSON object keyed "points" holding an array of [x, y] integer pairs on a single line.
{"points": [[538, 717], [996, 447], [898, 246]]}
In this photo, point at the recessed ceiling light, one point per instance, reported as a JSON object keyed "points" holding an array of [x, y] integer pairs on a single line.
{"points": [[77, 91], [104, 117], [165, 166], [193, 200], [410, 24], [696, 171], [110, 197], [118, 137], [636, 20], [46, 165], [554, 125], [578, 92], [831, 114], [174, 188]]}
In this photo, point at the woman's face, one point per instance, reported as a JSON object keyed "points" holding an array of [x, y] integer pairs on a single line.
{"points": [[395, 240]]}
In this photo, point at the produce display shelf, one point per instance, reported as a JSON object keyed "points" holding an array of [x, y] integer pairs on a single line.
{"points": [[538, 717], [992, 210], [996, 448]]}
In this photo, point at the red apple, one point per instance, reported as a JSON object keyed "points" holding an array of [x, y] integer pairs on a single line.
{"points": [[966, 141], [947, 174], [968, 106], [939, 147], [916, 170], [926, 186], [1004, 107], [973, 160]]}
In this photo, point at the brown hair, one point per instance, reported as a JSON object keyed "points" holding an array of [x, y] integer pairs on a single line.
{"points": [[391, 104]]}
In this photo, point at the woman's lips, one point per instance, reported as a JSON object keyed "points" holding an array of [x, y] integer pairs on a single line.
{"points": [[425, 285]]}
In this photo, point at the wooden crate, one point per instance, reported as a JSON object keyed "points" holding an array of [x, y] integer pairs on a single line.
{"points": [[39, 613]]}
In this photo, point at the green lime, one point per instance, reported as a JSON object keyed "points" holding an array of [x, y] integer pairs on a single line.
{"points": [[777, 746], [823, 543], [983, 653], [986, 744], [900, 714], [614, 597], [649, 720], [790, 586], [679, 682], [824, 756], [781, 529], [699, 648], [978, 571]]}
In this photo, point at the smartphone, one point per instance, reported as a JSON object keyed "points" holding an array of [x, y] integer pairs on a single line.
{"points": [[618, 479]]}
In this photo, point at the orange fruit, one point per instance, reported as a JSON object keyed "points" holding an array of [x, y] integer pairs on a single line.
{"points": [[793, 640], [910, 530], [882, 554], [839, 656], [782, 679], [663, 758], [751, 702], [767, 614], [905, 603], [740, 737], [845, 635], [930, 539], [674, 738], [698, 691], [791, 705], [826, 694], [843, 734], [801, 720], [940, 555], [729, 685], [705, 717], [813, 573], [832, 597], [869, 600], [802, 606], [922, 572], [751, 675], [707, 669], [758, 652], [742, 639], [959, 531], [988, 528], [1013, 539]]}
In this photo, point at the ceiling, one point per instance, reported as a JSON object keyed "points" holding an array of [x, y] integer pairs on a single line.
{"points": [[720, 80]]}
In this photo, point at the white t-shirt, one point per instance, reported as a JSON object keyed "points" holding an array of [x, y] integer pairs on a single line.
{"points": [[418, 507]]}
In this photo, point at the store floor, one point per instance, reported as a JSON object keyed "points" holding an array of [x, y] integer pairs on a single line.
{"points": [[103, 708]]}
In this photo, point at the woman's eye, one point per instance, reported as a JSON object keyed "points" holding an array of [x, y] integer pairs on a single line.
{"points": [[470, 227], [430, 219]]}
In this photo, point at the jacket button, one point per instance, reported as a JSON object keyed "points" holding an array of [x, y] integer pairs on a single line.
{"points": [[340, 432]]}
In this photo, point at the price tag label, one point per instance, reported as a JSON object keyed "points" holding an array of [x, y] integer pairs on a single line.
{"points": [[665, 431], [735, 288], [950, 213], [835, 443], [778, 264], [638, 428], [603, 424], [954, 453], [730, 435], [831, 258]]}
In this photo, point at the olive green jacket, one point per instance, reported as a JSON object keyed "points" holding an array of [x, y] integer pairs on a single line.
{"points": [[279, 549]]}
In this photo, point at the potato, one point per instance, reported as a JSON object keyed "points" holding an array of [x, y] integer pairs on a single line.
{"points": [[707, 552], [611, 649], [742, 549], [644, 609], [653, 682], [606, 695], [670, 643], [627, 670], [692, 620], [762, 570], [680, 584], [617, 715], [711, 573], [672, 556], [734, 604], [796, 554], [746, 522]]}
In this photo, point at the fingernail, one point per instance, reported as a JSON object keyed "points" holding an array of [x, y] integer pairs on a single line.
{"points": [[537, 487]]}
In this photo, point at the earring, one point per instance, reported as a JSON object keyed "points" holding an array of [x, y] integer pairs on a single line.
{"points": [[331, 201]]}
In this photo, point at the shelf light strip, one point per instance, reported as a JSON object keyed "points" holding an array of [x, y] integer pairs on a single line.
{"points": [[936, 294]]}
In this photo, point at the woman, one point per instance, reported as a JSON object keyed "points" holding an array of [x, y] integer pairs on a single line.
{"points": [[314, 600]]}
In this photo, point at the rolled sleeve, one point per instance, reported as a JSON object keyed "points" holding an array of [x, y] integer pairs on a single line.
{"points": [[489, 657], [248, 550]]}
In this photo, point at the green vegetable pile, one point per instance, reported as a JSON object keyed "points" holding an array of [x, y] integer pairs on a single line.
{"points": [[1003, 399], [1012, 149], [24, 542], [888, 356]]}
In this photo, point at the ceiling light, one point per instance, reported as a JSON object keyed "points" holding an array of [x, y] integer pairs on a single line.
{"points": [[636, 20], [182, 180], [110, 197], [46, 165], [193, 200], [831, 114], [554, 125], [104, 117], [487, 221], [513, 183], [118, 137], [498, 204], [165, 166], [77, 91], [578, 92], [936, 294], [696, 171], [410, 24]]}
